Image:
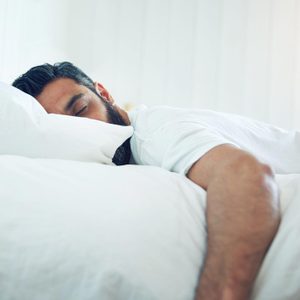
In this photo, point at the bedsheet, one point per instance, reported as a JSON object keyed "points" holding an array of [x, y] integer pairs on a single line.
{"points": [[85, 231]]}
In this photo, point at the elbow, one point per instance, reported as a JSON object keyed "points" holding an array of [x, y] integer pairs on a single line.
{"points": [[248, 168], [247, 174]]}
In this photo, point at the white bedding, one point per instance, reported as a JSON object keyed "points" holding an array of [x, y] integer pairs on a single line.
{"points": [[84, 231]]}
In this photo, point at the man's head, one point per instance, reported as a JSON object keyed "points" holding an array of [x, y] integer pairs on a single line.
{"points": [[63, 88]]}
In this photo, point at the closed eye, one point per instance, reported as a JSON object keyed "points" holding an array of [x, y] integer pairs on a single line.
{"points": [[81, 111]]}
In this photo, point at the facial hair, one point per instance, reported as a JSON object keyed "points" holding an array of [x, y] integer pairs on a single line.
{"points": [[123, 153]]}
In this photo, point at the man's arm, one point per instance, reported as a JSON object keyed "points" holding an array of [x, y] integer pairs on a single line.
{"points": [[242, 219]]}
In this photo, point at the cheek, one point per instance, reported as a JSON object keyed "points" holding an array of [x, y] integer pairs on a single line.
{"points": [[97, 111]]}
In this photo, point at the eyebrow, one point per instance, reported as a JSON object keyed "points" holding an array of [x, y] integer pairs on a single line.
{"points": [[72, 101]]}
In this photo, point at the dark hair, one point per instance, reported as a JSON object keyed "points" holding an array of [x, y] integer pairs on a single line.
{"points": [[34, 80]]}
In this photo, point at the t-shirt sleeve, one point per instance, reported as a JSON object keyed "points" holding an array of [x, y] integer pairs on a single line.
{"points": [[177, 145], [175, 139]]}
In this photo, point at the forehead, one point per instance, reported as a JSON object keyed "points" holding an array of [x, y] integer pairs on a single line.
{"points": [[56, 93]]}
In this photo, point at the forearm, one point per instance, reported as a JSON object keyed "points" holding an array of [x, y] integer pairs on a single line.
{"points": [[242, 219]]}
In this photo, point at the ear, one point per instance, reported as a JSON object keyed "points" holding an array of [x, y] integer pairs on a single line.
{"points": [[101, 90]]}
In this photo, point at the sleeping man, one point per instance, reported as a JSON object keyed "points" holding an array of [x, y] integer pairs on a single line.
{"points": [[231, 157]]}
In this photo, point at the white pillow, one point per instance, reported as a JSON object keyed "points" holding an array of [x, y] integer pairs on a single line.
{"points": [[27, 129]]}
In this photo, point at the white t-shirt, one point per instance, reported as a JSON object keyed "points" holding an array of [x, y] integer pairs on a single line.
{"points": [[175, 138]]}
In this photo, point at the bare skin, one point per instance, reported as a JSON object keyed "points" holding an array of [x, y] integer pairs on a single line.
{"points": [[242, 219], [242, 198]]}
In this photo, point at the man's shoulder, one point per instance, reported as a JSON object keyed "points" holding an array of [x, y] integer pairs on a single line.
{"points": [[162, 114]]}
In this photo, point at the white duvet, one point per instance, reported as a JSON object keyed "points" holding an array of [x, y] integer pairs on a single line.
{"points": [[84, 231]]}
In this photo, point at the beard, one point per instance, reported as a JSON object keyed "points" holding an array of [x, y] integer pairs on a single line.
{"points": [[123, 153]]}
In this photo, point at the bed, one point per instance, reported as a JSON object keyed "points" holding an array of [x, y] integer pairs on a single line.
{"points": [[81, 230], [74, 226]]}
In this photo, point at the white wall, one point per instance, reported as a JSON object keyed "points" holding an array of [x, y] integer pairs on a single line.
{"points": [[31, 32], [240, 56]]}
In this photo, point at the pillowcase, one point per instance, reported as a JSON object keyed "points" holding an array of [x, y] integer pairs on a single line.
{"points": [[27, 129]]}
